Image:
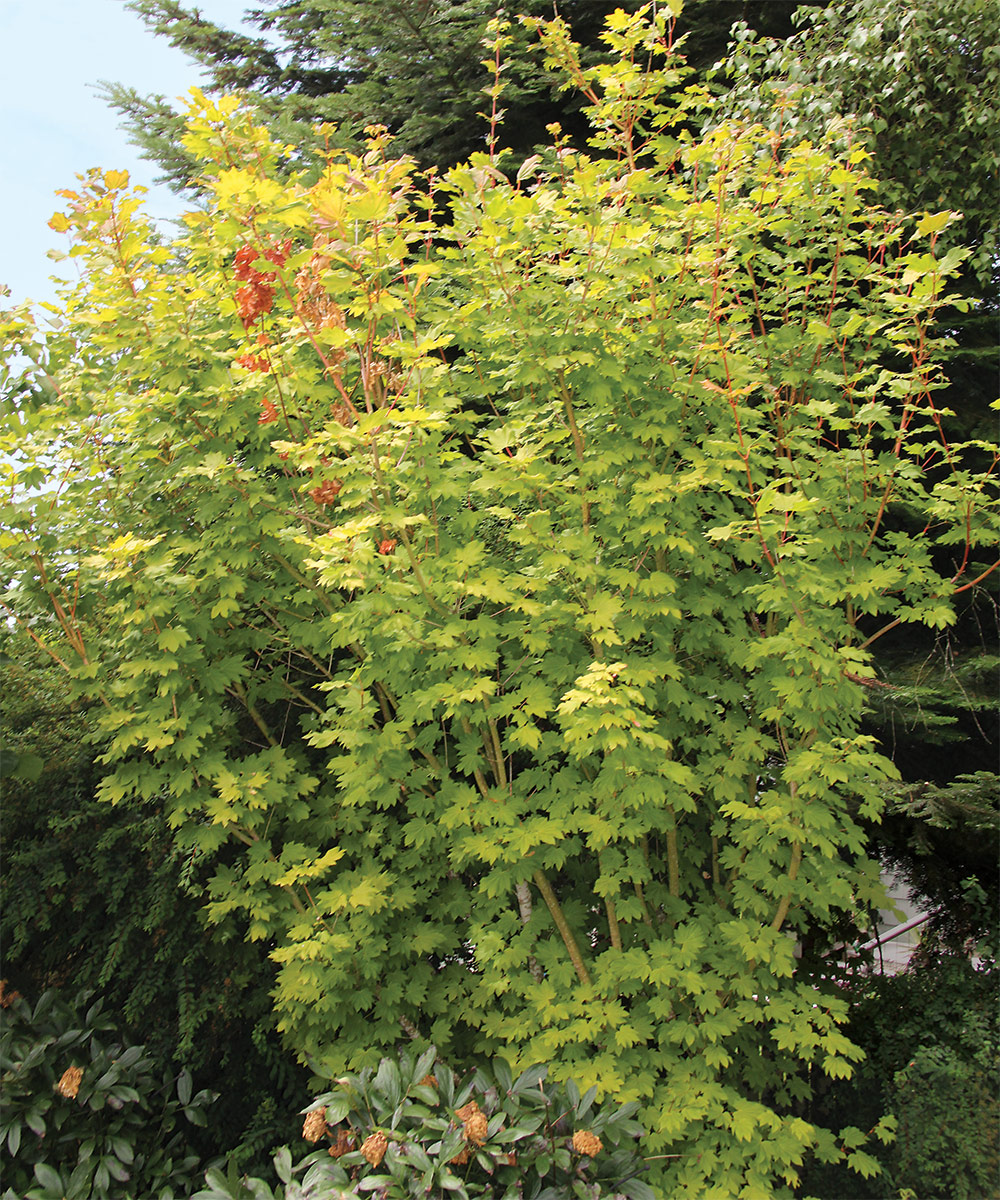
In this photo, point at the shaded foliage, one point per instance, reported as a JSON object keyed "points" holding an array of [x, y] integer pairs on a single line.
{"points": [[99, 898], [85, 1115], [413, 1128], [932, 1044]]}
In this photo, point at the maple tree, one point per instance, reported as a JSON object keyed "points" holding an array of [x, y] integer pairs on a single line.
{"points": [[905, 82], [493, 566]]}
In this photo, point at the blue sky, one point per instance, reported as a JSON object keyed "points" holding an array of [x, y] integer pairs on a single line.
{"points": [[55, 125]]}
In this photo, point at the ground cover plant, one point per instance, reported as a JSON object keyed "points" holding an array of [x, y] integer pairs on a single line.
{"points": [[482, 571]]}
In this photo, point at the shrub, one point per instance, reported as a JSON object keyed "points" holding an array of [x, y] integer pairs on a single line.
{"points": [[932, 1044], [412, 1129], [491, 592], [101, 896], [86, 1116], [948, 1112]]}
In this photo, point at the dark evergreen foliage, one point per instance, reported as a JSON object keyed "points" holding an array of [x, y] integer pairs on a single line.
{"points": [[97, 898], [932, 1041], [85, 1115], [411, 65]]}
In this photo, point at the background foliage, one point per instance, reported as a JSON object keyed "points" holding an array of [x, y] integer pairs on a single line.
{"points": [[84, 1115], [99, 899], [909, 81], [414, 66], [930, 1037]]}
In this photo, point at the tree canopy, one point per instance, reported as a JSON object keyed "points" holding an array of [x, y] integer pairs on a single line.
{"points": [[415, 66], [483, 572], [917, 84]]}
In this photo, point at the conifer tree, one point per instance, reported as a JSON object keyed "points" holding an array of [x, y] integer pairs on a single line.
{"points": [[411, 65]]}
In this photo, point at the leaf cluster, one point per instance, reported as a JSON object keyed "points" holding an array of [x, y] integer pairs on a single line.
{"points": [[523, 1144], [412, 66], [86, 1115]]}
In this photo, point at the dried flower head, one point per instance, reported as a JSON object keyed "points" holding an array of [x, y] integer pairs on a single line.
{"points": [[7, 998], [461, 1158], [315, 1125], [374, 1146], [428, 1081], [326, 492], [474, 1121], [69, 1084], [585, 1142], [343, 1145], [387, 545], [341, 413]]}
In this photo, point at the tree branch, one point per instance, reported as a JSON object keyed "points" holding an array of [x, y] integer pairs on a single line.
{"points": [[549, 896]]}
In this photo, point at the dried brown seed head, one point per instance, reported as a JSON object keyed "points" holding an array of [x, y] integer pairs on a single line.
{"points": [[69, 1084], [374, 1147], [343, 1144], [476, 1128], [585, 1142], [315, 1125], [474, 1120]]}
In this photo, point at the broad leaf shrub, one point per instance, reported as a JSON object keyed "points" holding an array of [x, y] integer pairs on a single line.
{"points": [[411, 1128], [84, 1115], [493, 563]]}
